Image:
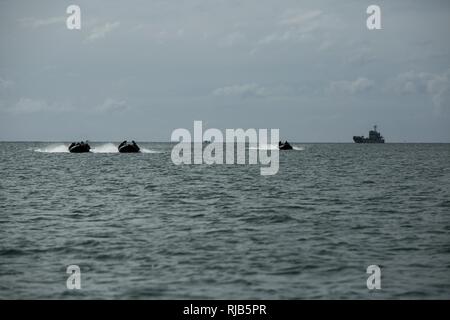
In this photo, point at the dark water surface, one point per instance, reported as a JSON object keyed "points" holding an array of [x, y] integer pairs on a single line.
{"points": [[140, 227]]}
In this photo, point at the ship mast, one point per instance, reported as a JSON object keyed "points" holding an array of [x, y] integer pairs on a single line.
{"points": [[375, 128]]}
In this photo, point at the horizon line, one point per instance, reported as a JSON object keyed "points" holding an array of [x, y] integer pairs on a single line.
{"points": [[301, 142]]}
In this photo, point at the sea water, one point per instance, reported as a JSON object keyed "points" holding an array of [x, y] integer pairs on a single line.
{"points": [[140, 227]]}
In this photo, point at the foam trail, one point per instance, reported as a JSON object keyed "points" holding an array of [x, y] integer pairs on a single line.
{"points": [[112, 148], [144, 150], [274, 147], [54, 148], [105, 148], [264, 147]]}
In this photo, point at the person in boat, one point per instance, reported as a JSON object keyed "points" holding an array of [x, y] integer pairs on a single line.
{"points": [[135, 145], [123, 143]]}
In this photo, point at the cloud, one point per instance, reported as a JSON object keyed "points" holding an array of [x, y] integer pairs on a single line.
{"points": [[32, 106], [410, 82], [28, 106], [101, 31], [112, 106], [241, 90], [326, 45], [290, 35], [301, 18], [35, 23], [437, 86], [359, 85], [295, 27], [276, 37], [232, 39], [254, 90], [360, 57], [5, 84]]}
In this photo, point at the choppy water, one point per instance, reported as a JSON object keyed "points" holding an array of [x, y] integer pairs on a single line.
{"points": [[140, 227]]}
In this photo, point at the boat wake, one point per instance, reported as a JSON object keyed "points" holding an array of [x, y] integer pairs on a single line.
{"points": [[103, 148], [265, 147], [274, 147], [54, 148]]}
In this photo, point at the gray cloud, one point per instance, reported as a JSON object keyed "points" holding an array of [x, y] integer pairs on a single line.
{"points": [[241, 90], [361, 57], [30, 106], [301, 18], [112, 106], [359, 85], [35, 23], [5, 84], [436, 85], [232, 39], [254, 90], [101, 31], [294, 26]]}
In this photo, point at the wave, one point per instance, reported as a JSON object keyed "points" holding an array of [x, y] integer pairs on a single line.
{"points": [[54, 148], [105, 148], [144, 150]]}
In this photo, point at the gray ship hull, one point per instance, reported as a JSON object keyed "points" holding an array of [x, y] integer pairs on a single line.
{"points": [[357, 139], [374, 137]]}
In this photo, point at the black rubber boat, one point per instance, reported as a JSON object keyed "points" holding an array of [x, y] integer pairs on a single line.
{"points": [[284, 146], [79, 147], [128, 147]]}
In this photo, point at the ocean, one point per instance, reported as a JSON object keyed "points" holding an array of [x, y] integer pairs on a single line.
{"points": [[140, 227]]}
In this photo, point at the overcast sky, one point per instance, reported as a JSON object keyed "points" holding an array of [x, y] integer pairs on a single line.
{"points": [[140, 69]]}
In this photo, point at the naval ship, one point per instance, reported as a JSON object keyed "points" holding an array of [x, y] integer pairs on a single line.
{"points": [[374, 137]]}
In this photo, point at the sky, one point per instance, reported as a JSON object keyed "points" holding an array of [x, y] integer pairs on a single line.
{"points": [[141, 69]]}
